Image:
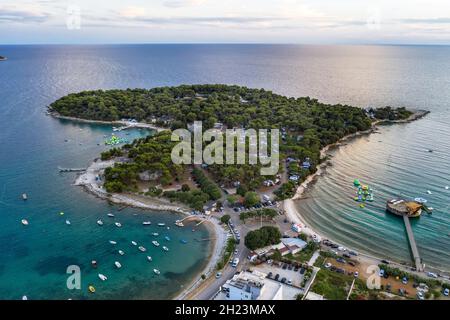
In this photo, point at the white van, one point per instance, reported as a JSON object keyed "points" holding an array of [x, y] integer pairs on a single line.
{"points": [[235, 262]]}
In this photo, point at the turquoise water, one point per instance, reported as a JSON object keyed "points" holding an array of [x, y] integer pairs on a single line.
{"points": [[33, 259]]}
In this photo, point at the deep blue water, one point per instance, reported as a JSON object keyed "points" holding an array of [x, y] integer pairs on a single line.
{"points": [[33, 259]]}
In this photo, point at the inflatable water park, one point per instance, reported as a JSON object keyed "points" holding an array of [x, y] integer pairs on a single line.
{"points": [[115, 140], [364, 193]]}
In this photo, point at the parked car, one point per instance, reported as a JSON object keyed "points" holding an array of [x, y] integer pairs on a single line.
{"points": [[277, 276], [284, 267], [218, 275], [356, 274], [420, 295], [339, 270], [283, 280], [353, 253], [289, 282], [346, 255], [295, 269], [385, 261], [352, 263], [269, 275], [290, 267], [381, 274], [446, 291], [340, 260], [405, 280], [302, 270], [432, 275], [388, 287], [328, 265]]}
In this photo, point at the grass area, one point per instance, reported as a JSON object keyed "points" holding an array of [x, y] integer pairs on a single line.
{"points": [[332, 285]]}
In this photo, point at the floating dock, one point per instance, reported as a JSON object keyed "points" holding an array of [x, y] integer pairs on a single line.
{"points": [[412, 244]]}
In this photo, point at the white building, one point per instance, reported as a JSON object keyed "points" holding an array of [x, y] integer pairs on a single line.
{"points": [[255, 286]]}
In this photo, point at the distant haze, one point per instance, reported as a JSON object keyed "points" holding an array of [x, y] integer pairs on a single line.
{"points": [[225, 21]]}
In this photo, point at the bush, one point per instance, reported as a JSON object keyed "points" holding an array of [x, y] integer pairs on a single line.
{"points": [[225, 218], [267, 213], [251, 198], [262, 237]]}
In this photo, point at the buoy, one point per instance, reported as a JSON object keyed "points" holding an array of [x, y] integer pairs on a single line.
{"points": [[91, 289]]}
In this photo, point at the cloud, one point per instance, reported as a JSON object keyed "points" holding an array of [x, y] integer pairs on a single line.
{"points": [[23, 14], [427, 20], [133, 12], [182, 3]]}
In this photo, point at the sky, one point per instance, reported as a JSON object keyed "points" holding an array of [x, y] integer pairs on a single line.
{"points": [[225, 21]]}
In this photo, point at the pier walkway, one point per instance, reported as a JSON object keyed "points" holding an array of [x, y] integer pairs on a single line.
{"points": [[412, 244]]}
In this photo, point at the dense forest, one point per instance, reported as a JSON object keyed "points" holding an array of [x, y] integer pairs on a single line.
{"points": [[306, 125]]}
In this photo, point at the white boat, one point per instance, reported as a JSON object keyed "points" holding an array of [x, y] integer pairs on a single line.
{"points": [[24, 298], [149, 258], [146, 223], [112, 242], [24, 222], [118, 224], [68, 222], [134, 243], [121, 252], [155, 234], [156, 271], [161, 224], [155, 243], [100, 222], [102, 277], [110, 215], [447, 187], [429, 192], [179, 224], [118, 265], [24, 196], [421, 200], [141, 248], [165, 248]]}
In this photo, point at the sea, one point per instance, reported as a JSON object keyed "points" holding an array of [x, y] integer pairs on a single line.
{"points": [[34, 259]]}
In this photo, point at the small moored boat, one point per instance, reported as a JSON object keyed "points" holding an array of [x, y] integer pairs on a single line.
{"points": [[134, 243], [155, 234], [161, 224], [121, 252], [68, 222], [25, 222], [146, 223], [24, 196], [118, 224], [100, 222], [142, 249], [117, 264], [110, 215], [155, 243], [91, 289], [156, 271], [167, 238], [94, 263], [149, 258], [165, 248], [102, 277], [112, 242], [183, 241]]}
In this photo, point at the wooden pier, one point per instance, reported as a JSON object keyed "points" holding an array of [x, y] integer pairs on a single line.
{"points": [[412, 244]]}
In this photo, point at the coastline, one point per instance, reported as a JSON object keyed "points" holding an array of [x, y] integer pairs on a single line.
{"points": [[293, 214], [128, 124], [88, 181]]}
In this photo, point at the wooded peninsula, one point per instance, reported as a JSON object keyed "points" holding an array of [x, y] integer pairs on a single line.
{"points": [[306, 126]]}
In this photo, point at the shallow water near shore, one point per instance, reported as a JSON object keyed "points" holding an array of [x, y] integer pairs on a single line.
{"points": [[33, 259]]}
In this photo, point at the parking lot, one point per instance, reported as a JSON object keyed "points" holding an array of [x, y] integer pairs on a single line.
{"points": [[295, 276]]}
